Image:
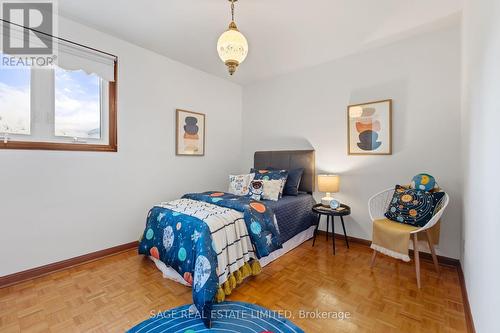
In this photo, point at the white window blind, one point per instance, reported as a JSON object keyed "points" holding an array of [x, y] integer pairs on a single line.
{"points": [[74, 57], [70, 56]]}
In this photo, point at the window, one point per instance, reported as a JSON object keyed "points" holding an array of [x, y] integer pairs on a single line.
{"points": [[78, 108], [58, 108]]}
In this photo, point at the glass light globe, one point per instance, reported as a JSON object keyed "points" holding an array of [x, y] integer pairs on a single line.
{"points": [[232, 48]]}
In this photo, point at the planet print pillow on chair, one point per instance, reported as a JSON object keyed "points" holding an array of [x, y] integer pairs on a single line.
{"points": [[413, 206]]}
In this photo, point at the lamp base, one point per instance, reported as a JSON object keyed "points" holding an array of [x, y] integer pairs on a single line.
{"points": [[325, 201]]}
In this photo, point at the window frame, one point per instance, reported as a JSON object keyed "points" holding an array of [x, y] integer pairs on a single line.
{"points": [[111, 146]]}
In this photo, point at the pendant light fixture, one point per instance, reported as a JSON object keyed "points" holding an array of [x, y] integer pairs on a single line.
{"points": [[232, 45]]}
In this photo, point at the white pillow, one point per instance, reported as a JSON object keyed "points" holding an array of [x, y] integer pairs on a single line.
{"points": [[272, 189], [240, 184]]}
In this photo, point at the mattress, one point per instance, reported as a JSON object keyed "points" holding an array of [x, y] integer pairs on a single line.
{"points": [[293, 214]]}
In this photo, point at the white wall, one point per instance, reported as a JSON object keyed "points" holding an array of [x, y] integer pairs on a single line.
{"points": [[58, 205], [481, 119], [308, 109]]}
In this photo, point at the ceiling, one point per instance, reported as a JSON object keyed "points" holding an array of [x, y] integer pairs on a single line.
{"points": [[284, 35]]}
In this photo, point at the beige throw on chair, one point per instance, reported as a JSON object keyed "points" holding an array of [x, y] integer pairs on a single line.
{"points": [[392, 238]]}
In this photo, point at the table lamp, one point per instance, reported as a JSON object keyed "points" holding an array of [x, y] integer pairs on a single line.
{"points": [[329, 184]]}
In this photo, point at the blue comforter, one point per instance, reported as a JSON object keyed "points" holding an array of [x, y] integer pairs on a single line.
{"points": [[259, 218], [184, 242]]}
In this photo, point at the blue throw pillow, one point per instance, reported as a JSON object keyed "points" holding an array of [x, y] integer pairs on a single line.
{"points": [[412, 206], [293, 181], [267, 174]]}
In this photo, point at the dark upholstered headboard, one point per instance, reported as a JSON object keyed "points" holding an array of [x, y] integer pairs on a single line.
{"points": [[290, 159]]}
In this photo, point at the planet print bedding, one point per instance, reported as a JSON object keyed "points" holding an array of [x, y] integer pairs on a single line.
{"points": [[210, 239]]}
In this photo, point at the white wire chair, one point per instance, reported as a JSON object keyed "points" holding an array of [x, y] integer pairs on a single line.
{"points": [[377, 206]]}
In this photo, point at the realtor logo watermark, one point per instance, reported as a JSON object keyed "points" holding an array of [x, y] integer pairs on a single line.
{"points": [[27, 30]]}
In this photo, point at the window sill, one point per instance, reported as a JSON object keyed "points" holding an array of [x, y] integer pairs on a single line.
{"points": [[58, 146]]}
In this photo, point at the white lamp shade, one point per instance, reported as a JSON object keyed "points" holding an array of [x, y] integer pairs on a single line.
{"points": [[328, 183], [232, 46]]}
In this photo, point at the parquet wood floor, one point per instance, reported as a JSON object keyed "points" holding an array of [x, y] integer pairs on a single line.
{"points": [[117, 292]]}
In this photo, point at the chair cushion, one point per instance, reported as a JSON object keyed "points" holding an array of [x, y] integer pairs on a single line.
{"points": [[412, 206]]}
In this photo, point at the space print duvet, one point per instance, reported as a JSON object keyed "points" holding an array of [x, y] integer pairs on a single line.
{"points": [[206, 237]]}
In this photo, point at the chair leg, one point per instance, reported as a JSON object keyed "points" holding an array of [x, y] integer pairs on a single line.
{"points": [[417, 258], [374, 255], [433, 252]]}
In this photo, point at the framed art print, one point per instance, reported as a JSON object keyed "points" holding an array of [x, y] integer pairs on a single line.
{"points": [[190, 133], [369, 128]]}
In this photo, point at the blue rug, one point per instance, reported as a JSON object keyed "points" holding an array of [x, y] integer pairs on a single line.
{"points": [[227, 317]]}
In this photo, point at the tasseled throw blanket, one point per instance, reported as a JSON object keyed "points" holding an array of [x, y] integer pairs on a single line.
{"points": [[392, 238]]}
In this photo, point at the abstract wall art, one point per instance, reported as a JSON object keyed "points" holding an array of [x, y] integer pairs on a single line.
{"points": [[190, 133], [369, 128]]}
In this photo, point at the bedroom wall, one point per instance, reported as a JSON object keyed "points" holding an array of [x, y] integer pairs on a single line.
{"points": [[58, 205], [481, 116], [307, 109]]}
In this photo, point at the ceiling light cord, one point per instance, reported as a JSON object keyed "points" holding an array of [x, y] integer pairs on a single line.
{"points": [[232, 10]]}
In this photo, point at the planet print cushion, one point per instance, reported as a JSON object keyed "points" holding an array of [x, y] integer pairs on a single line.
{"points": [[267, 174], [240, 184], [413, 206]]}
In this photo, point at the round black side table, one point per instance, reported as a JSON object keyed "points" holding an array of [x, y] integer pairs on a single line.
{"points": [[330, 213]]}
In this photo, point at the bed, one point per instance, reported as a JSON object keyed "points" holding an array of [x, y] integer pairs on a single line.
{"points": [[213, 240]]}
